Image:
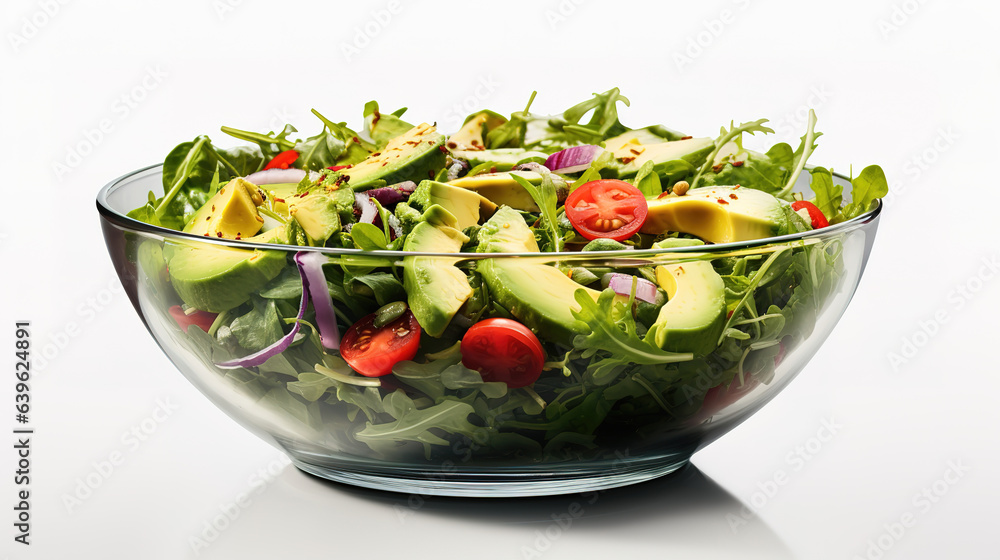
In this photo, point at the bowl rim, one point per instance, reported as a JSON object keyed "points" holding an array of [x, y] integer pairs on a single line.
{"points": [[131, 224]]}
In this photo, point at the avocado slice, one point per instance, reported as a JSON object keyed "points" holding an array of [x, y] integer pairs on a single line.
{"points": [[413, 156], [538, 295], [502, 189], [217, 278], [718, 214], [631, 154], [472, 135], [435, 287], [231, 213], [318, 215], [468, 207], [695, 313], [508, 156]]}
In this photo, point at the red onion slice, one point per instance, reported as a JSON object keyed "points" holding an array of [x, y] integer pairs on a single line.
{"points": [[622, 285], [368, 209], [274, 176], [571, 160], [310, 265]]}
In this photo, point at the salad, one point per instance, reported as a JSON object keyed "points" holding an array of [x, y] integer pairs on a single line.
{"points": [[419, 332]]}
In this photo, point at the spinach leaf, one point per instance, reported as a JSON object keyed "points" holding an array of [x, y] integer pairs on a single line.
{"points": [[260, 327], [647, 181], [319, 152], [368, 237]]}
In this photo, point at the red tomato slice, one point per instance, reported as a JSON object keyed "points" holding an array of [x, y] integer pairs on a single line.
{"points": [[815, 214], [283, 160], [503, 350], [201, 319], [372, 352], [606, 208]]}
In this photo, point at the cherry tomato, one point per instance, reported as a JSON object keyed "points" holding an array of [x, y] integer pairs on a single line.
{"points": [[283, 160], [201, 319], [373, 351], [606, 208], [721, 396], [815, 214], [503, 350]]}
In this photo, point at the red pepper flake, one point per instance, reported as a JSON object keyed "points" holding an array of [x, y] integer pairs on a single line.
{"points": [[730, 314], [276, 199], [430, 173], [207, 235], [385, 163], [634, 151], [475, 142], [207, 218], [342, 179], [213, 208], [626, 159], [736, 187], [686, 137], [338, 168], [493, 169], [283, 160], [375, 117], [663, 195], [733, 196], [737, 164], [238, 238], [722, 201], [376, 154], [303, 195], [218, 234], [452, 145], [356, 141], [443, 149], [717, 168]]}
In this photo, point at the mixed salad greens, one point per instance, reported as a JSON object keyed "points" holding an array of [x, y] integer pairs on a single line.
{"points": [[556, 354]]}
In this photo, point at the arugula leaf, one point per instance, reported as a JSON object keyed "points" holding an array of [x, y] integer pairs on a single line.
{"points": [[356, 149], [511, 133], [871, 184], [829, 196], [806, 147], [603, 123], [617, 337], [547, 200], [415, 425], [319, 152], [734, 132], [603, 161], [757, 171], [271, 143]]}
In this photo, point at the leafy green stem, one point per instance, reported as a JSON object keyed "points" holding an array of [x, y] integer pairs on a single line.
{"points": [[807, 148], [724, 138]]}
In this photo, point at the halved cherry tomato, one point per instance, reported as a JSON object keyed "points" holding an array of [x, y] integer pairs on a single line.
{"points": [[815, 214], [201, 319], [283, 160], [373, 351], [503, 350], [606, 208]]}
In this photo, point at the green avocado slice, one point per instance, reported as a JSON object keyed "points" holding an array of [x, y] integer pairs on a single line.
{"points": [[695, 313], [217, 278], [719, 214], [537, 294], [435, 287], [414, 156]]}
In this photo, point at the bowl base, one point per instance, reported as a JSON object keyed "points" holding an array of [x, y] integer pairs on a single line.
{"points": [[501, 482]]}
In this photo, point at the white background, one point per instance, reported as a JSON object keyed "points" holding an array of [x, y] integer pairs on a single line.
{"points": [[911, 86]]}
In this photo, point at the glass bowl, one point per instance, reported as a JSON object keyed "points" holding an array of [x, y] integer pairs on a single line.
{"points": [[433, 427]]}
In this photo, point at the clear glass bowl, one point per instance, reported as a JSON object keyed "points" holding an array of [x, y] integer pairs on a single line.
{"points": [[632, 424]]}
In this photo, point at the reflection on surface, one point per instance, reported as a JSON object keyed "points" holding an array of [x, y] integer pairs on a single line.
{"points": [[684, 513]]}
